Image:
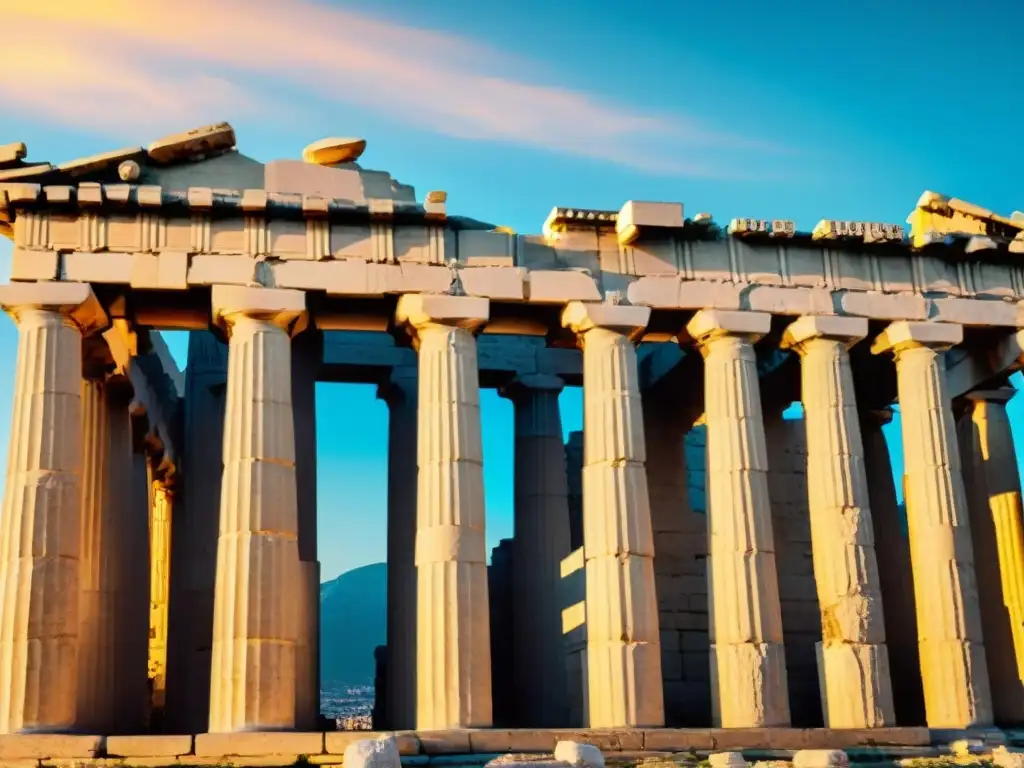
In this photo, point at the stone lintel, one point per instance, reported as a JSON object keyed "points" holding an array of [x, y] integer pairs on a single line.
{"points": [[846, 329], [581, 316], [74, 300], [531, 382], [708, 324], [904, 334], [282, 307], [12, 153], [419, 310], [1000, 396]]}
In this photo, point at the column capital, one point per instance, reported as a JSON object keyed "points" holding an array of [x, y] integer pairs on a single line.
{"points": [[997, 395], [283, 308], [417, 311], [710, 324], [74, 301], [582, 316], [848, 330], [906, 334], [531, 382]]}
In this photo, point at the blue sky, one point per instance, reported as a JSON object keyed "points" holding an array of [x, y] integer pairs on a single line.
{"points": [[783, 110]]}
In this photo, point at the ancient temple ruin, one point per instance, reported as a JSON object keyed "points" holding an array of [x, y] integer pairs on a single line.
{"points": [[704, 563]]}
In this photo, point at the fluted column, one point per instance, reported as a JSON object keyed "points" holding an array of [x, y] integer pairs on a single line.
{"points": [[853, 661], [258, 579], [541, 528], [40, 525], [950, 645], [194, 536], [748, 663], [401, 394], [993, 493], [95, 708], [307, 355], [159, 589], [453, 670], [623, 640], [892, 551]]}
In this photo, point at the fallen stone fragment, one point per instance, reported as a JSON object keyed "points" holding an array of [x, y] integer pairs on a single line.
{"points": [[373, 753], [820, 758], [579, 754], [1004, 758], [727, 760]]}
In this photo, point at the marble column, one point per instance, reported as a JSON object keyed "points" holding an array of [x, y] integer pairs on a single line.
{"points": [[159, 589], [623, 639], [853, 661], [258, 577], [194, 531], [400, 392], [574, 478], [994, 503], [307, 357], [541, 530], [892, 551], [95, 707], [748, 663], [453, 669], [950, 644], [40, 524]]}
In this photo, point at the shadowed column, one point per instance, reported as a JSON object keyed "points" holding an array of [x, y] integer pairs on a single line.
{"points": [[748, 663], [892, 551], [258, 579], [95, 709], [40, 522], [993, 493], [307, 355], [952, 652], [453, 669], [194, 537], [853, 661], [623, 641], [541, 529], [401, 394]]}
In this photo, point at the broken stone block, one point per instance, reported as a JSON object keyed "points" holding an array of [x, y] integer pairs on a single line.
{"points": [[820, 758], [1004, 758], [577, 754], [727, 760], [373, 753]]}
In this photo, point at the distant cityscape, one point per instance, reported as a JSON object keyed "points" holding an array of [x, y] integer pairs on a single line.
{"points": [[349, 705]]}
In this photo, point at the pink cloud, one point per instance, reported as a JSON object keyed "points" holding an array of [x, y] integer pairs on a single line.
{"points": [[135, 67]]}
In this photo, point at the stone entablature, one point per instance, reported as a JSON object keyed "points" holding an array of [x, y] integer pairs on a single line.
{"points": [[159, 239]]}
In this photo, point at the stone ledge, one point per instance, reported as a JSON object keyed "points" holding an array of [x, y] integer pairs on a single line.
{"points": [[149, 746], [42, 746], [258, 743]]}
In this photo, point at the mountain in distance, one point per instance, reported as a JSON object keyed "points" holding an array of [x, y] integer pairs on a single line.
{"points": [[353, 621]]}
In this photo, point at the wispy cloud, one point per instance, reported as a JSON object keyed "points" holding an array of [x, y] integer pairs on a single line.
{"points": [[127, 67]]}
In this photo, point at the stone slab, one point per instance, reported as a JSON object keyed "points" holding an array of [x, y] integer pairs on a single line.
{"points": [[678, 739], [444, 742], [40, 746], [149, 746], [817, 738], [512, 741], [258, 743]]}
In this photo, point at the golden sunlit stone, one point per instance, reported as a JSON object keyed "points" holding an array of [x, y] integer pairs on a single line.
{"points": [[334, 151]]}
